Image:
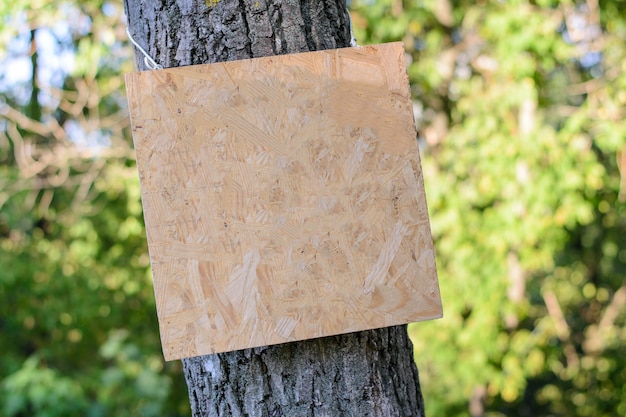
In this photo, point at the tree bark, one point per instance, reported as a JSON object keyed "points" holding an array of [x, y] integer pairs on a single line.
{"points": [[369, 373]]}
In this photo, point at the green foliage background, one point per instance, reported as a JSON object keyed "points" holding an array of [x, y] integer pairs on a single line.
{"points": [[521, 108]]}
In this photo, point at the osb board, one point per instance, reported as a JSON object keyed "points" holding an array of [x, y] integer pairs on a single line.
{"points": [[283, 198]]}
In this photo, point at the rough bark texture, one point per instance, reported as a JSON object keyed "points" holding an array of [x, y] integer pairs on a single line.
{"points": [[186, 32], [360, 374], [369, 373]]}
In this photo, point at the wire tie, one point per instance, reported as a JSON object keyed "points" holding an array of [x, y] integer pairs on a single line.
{"points": [[147, 59]]}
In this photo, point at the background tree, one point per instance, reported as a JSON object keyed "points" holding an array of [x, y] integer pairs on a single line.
{"points": [[370, 373], [521, 105], [521, 108], [77, 313]]}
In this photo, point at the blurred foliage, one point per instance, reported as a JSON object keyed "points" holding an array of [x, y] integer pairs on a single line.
{"points": [[78, 324], [520, 105]]}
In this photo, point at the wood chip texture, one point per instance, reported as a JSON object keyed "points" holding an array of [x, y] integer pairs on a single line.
{"points": [[283, 198]]}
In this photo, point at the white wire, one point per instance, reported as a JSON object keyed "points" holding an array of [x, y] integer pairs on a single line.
{"points": [[147, 59], [353, 39]]}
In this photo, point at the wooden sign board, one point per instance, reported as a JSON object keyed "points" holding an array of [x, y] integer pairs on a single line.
{"points": [[283, 198]]}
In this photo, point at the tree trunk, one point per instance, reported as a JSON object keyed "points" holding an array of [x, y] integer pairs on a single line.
{"points": [[369, 373]]}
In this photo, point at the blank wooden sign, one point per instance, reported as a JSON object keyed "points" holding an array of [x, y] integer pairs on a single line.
{"points": [[283, 198]]}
